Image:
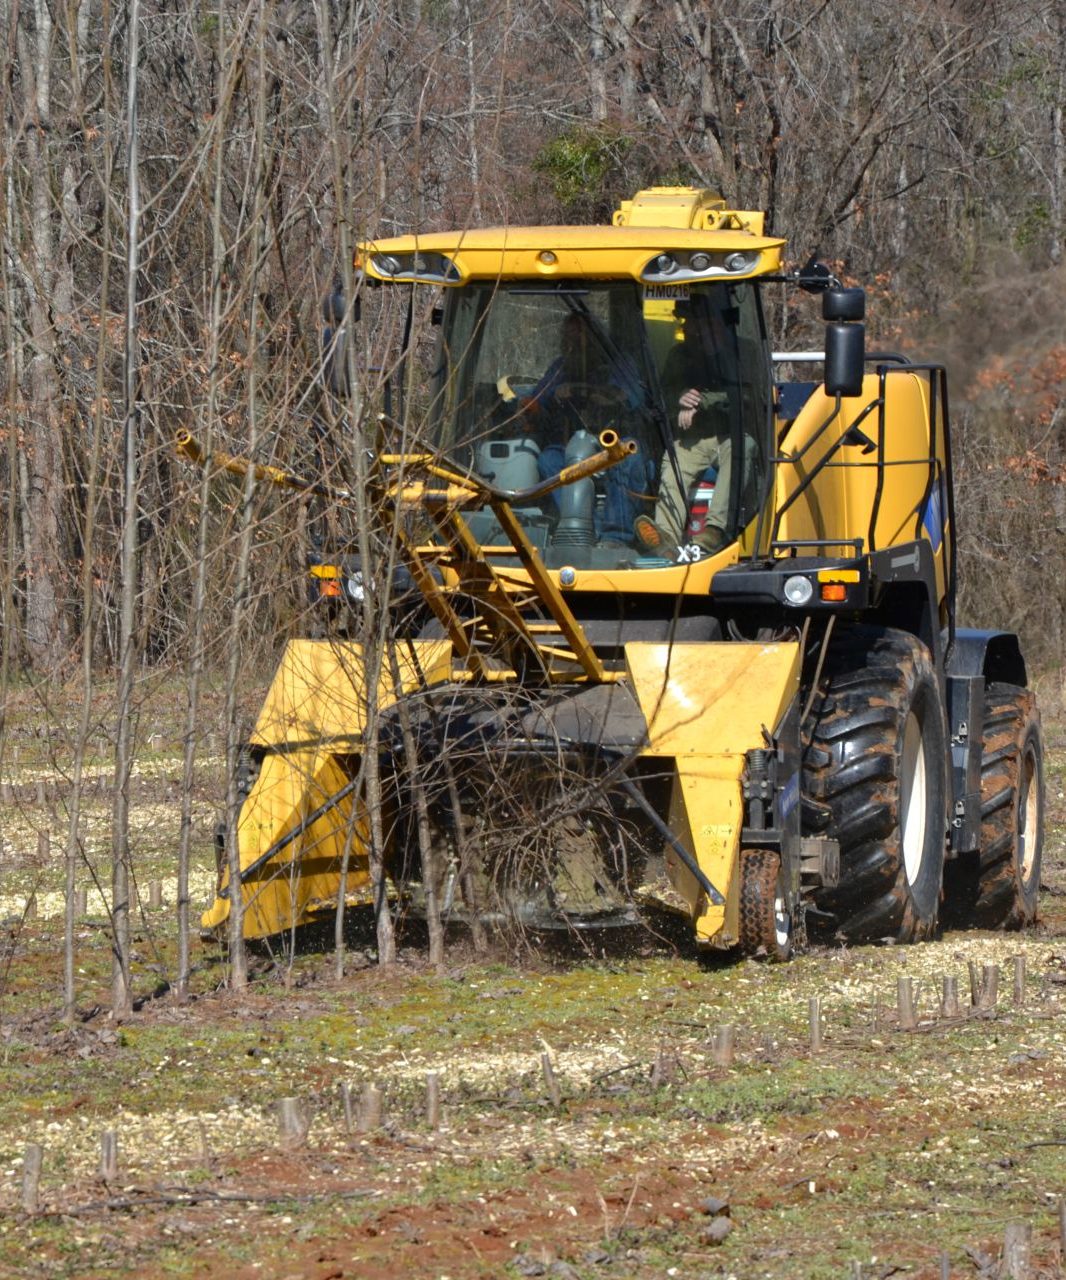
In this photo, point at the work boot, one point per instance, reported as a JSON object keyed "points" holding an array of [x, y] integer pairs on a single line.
{"points": [[711, 539], [650, 537]]}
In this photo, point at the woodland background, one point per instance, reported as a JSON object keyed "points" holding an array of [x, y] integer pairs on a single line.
{"points": [[182, 183], [920, 147]]}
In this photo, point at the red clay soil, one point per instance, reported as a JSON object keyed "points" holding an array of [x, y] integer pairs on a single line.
{"points": [[483, 1236]]}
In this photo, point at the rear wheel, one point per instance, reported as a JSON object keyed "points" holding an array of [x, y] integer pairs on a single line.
{"points": [[874, 778], [765, 918], [998, 888]]}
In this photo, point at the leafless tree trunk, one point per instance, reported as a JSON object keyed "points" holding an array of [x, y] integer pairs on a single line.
{"points": [[88, 590], [1058, 140], [47, 614], [215, 142], [472, 131], [625, 17], [238, 951], [427, 851], [9, 643], [371, 624], [121, 878], [597, 46]]}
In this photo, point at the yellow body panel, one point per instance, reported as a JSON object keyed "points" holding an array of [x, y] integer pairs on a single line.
{"points": [[707, 813], [702, 699], [311, 725], [686, 207], [319, 693], [675, 579], [706, 706], [672, 207], [840, 501], [303, 876]]}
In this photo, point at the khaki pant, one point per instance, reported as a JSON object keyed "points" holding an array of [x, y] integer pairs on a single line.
{"points": [[696, 451]]}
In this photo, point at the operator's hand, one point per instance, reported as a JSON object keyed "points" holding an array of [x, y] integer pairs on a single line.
{"points": [[690, 403]]}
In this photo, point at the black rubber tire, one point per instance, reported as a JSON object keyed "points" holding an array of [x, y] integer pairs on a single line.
{"points": [[765, 920], [873, 742], [998, 888]]}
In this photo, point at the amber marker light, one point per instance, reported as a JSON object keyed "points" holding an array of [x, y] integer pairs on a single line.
{"points": [[834, 592]]}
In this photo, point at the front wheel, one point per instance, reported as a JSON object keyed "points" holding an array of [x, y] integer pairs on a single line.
{"points": [[875, 779], [765, 919]]}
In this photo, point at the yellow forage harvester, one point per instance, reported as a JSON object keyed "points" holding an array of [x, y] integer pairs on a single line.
{"points": [[668, 617]]}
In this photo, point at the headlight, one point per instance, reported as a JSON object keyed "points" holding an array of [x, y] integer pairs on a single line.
{"points": [[386, 265], [699, 265], [436, 268], [737, 262], [798, 590]]}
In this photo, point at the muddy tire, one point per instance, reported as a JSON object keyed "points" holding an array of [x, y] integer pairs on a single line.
{"points": [[765, 920], [875, 779], [998, 887]]}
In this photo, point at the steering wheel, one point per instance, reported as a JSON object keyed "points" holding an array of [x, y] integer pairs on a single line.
{"points": [[598, 393], [507, 384]]}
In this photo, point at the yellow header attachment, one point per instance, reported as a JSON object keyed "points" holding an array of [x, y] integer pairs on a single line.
{"points": [[665, 235]]}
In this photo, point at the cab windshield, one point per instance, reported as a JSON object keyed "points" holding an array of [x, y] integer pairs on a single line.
{"points": [[528, 375]]}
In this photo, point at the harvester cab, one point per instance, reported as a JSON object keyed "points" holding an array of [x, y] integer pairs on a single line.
{"points": [[685, 634]]}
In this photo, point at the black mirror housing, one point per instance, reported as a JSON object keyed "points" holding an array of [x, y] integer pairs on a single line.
{"points": [[844, 304], [845, 356], [814, 276], [334, 309]]}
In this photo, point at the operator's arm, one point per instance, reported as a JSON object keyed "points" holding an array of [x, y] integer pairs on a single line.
{"points": [[547, 386], [695, 400]]}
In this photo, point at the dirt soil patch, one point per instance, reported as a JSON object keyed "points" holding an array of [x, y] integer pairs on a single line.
{"points": [[885, 1150]]}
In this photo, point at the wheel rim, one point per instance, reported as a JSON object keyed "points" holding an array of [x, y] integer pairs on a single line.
{"points": [[782, 922], [1028, 816], [913, 798]]}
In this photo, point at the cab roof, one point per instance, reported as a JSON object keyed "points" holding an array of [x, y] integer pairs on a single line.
{"points": [[493, 253], [686, 224]]}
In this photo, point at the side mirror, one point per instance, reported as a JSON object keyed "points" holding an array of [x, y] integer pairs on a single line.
{"points": [[333, 308], [335, 360], [845, 341], [844, 304], [335, 339], [814, 276], [845, 359]]}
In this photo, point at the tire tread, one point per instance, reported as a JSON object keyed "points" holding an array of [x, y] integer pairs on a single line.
{"points": [[850, 767], [1001, 900]]}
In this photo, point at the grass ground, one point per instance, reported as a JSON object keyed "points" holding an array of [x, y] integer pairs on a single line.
{"points": [[884, 1151]]}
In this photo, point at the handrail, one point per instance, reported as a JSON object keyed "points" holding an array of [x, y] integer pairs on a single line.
{"points": [[613, 450], [503, 614], [818, 357], [189, 447]]}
